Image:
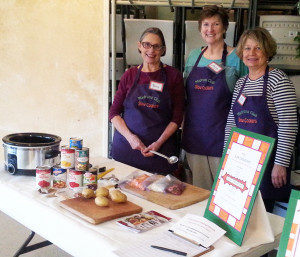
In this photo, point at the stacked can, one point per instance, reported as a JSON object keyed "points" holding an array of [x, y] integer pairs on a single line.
{"points": [[90, 178], [81, 162], [43, 177], [82, 159], [67, 157], [75, 178], [59, 177], [76, 142]]}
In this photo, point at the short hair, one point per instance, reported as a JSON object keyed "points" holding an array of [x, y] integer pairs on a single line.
{"points": [[262, 37], [209, 11], [155, 31]]}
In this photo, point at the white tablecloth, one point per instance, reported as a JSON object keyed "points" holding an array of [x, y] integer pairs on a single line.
{"points": [[20, 200]]}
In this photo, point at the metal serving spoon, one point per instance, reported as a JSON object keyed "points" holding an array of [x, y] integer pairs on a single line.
{"points": [[171, 160]]}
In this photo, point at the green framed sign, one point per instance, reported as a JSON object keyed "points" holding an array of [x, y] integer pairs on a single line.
{"points": [[290, 239], [237, 181]]}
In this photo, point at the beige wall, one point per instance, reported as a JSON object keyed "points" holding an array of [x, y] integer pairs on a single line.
{"points": [[54, 69]]}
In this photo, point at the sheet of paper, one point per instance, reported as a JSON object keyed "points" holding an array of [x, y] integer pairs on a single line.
{"points": [[167, 240], [236, 179], [198, 229]]}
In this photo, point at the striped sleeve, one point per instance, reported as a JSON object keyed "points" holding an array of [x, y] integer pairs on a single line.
{"points": [[283, 109]]}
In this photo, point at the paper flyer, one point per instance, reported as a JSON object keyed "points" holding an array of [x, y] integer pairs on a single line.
{"points": [[198, 230]]}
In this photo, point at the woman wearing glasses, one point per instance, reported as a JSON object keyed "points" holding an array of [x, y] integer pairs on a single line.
{"points": [[148, 109], [210, 75]]}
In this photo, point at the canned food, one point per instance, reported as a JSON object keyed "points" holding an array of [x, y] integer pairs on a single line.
{"points": [[75, 178], [90, 178], [76, 142], [59, 177], [67, 157], [82, 159], [43, 177]]}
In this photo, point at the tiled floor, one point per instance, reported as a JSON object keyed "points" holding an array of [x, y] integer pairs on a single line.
{"points": [[13, 235]]}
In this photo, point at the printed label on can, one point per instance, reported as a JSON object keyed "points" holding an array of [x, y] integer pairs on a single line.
{"points": [[76, 143], [43, 177], [75, 178], [89, 178], [67, 157], [59, 177], [82, 159]]}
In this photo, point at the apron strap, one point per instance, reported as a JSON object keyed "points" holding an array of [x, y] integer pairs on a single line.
{"points": [[224, 55], [162, 70]]}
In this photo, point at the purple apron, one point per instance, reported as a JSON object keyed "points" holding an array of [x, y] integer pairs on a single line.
{"points": [[254, 116], [146, 113], [207, 109]]}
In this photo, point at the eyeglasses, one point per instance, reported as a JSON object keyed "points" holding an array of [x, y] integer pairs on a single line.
{"points": [[155, 47]]}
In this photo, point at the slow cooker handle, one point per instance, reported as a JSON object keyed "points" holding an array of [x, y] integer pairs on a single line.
{"points": [[51, 154]]}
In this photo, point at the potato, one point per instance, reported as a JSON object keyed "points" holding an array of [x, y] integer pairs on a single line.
{"points": [[102, 191], [88, 193], [101, 201], [117, 196]]}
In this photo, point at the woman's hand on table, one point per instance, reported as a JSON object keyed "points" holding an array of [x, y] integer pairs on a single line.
{"points": [[278, 176]]}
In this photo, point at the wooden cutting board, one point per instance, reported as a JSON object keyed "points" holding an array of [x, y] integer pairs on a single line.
{"points": [[190, 195], [89, 211]]}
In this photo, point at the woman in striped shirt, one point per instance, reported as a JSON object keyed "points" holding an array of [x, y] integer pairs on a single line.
{"points": [[264, 102]]}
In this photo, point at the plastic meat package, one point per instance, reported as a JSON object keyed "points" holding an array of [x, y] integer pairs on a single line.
{"points": [[168, 184], [157, 183], [135, 179]]}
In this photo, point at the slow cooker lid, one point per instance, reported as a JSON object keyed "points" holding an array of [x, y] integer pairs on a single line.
{"points": [[31, 139]]}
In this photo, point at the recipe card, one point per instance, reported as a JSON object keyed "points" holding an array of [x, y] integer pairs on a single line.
{"points": [[197, 230], [237, 182]]}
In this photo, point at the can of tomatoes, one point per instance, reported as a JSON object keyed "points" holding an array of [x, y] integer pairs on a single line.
{"points": [[90, 178], [76, 142], [43, 177], [75, 178], [59, 177], [82, 159], [67, 157]]}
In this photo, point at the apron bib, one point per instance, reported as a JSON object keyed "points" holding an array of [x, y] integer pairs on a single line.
{"points": [[254, 116], [147, 112], [207, 109]]}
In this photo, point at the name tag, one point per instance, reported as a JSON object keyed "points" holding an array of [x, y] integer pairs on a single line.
{"points": [[216, 68], [242, 99], [157, 86]]}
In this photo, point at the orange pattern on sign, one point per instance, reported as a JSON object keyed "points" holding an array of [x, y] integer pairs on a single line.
{"points": [[264, 149], [248, 202], [256, 176], [239, 223], [292, 240], [248, 141]]}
